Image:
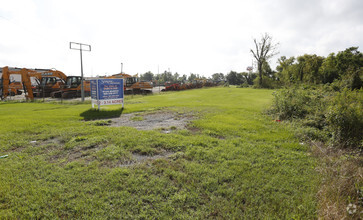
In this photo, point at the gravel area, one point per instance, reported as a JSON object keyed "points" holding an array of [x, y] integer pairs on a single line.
{"points": [[165, 120]]}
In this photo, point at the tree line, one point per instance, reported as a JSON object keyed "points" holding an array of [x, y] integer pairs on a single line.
{"points": [[170, 77], [344, 69], [231, 78]]}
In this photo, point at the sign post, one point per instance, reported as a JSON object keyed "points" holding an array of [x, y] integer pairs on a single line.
{"points": [[81, 47], [107, 92]]}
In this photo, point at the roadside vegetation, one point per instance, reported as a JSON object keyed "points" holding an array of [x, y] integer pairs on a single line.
{"points": [[232, 161], [331, 122], [322, 98]]}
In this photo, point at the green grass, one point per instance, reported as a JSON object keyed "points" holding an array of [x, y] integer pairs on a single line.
{"points": [[137, 118], [233, 163]]}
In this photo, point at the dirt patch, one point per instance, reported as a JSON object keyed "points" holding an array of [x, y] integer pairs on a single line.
{"points": [[164, 120], [85, 155]]}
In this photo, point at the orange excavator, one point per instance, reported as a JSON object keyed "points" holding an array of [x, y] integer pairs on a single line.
{"points": [[5, 82], [56, 84], [48, 81], [15, 88], [72, 88]]}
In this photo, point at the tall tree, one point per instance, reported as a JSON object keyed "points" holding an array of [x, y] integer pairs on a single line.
{"points": [[328, 69], [218, 77], [308, 67], [148, 76], [183, 78], [176, 77], [285, 69], [349, 59], [350, 67], [192, 77], [232, 78], [265, 49]]}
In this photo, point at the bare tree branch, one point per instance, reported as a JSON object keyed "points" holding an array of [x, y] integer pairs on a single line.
{"points": [[264, 51]]}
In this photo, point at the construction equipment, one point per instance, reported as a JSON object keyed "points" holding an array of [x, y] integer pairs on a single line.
{"points": [[5, 82], [132, 84], [172, 87], [48, 81], [72, 88], [15, 88], [56, 84], [196, 83]]}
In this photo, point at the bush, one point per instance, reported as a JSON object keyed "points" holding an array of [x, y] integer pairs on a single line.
{"points": [[345, 118], [352, 80], [338, 115], [297, 103], [267, 83]]}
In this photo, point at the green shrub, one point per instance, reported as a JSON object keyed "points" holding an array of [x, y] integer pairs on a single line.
{"points": [[352, 81], [345, 118], [267, 83], [338, 115], [302, 103], [290, 103]]}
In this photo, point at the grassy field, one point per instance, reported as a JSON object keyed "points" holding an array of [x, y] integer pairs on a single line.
{"points": [[232, 161]]}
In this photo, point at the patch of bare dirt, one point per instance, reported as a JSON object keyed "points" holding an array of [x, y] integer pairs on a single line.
{"points": [[165, 120], [84, 154]]}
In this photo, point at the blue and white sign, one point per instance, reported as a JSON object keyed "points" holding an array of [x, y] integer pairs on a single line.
{"points": [[107, 92]]}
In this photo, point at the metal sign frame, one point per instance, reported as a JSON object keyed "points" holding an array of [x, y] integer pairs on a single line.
{"points": [[80, 48]]}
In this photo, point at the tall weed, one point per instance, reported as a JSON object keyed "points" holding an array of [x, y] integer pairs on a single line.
{"points": [[345, 118], [338, 114], [334, 116], [296, 103]]}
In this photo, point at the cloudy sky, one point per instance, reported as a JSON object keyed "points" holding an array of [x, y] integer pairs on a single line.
{"points": [[185, 36]]}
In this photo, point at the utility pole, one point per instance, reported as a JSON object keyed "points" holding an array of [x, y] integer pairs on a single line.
{"points": [[81, 47], [122, 66]]}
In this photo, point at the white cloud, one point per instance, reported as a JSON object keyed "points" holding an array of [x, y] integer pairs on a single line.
{"points": [[187, 36]]}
